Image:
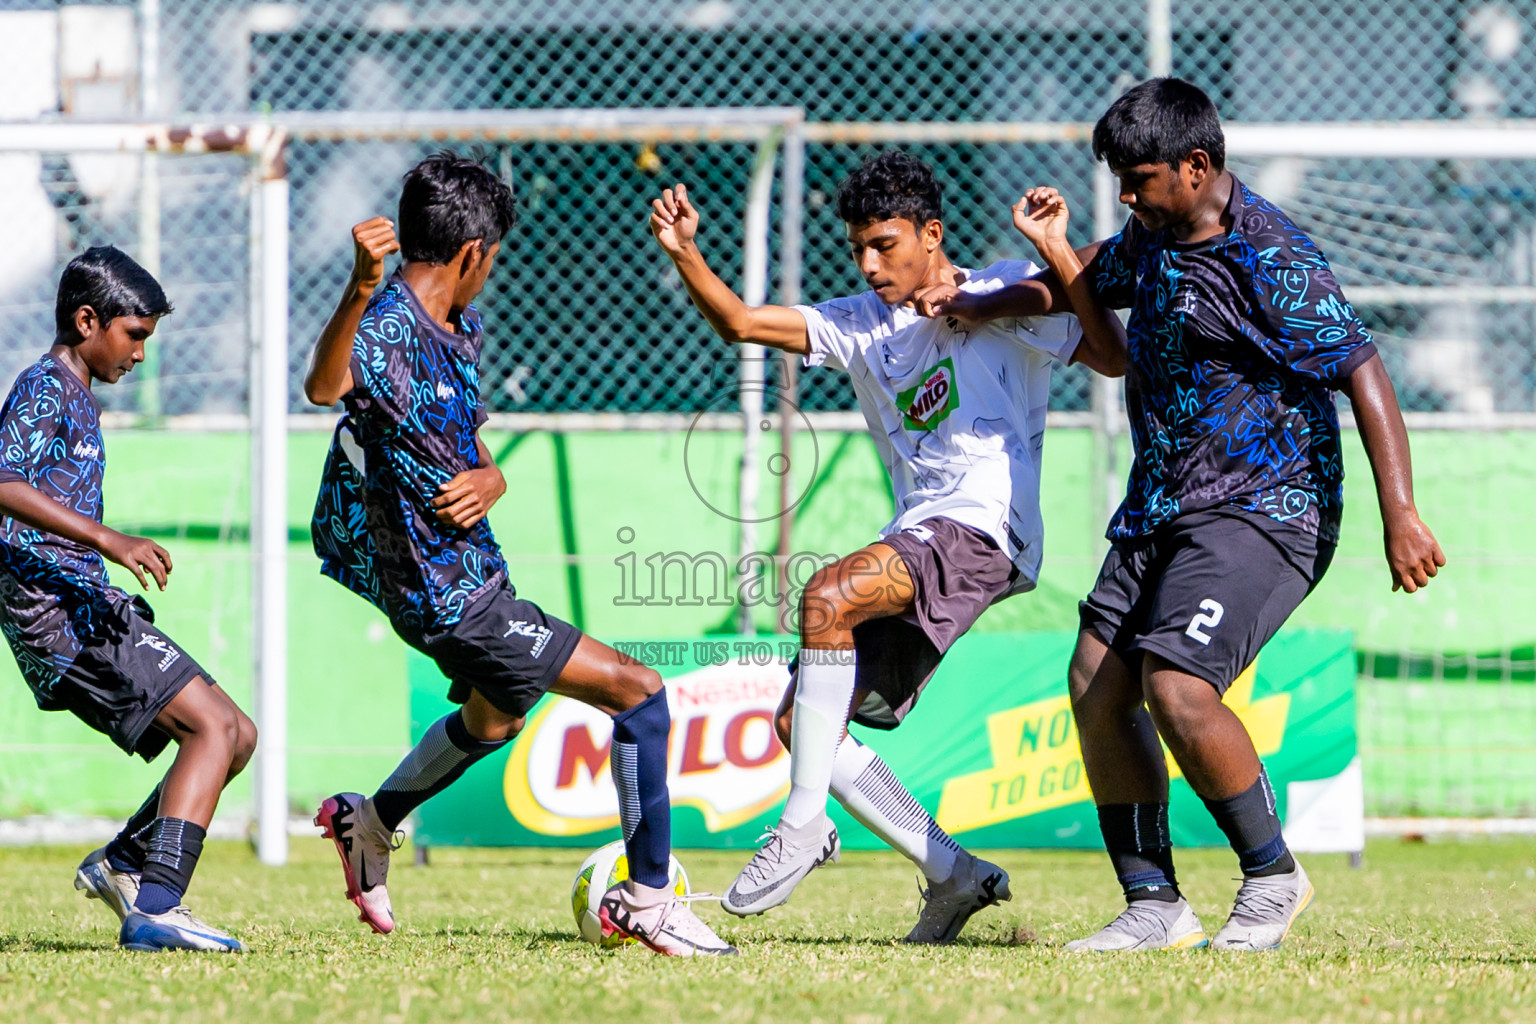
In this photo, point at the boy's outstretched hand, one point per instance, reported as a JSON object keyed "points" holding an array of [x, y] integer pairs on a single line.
{"points": [[137, 554], [1041, 215], [466, 498], [674, 221], [372, 240]]}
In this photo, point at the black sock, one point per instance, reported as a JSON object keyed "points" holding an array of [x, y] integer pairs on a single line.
{"points": [[126, 850], [1136, 836], [444, 753], [173, 848], [1253, 828]]}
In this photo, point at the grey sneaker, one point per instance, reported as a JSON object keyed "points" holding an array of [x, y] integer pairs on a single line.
{"points": [[99, 880], [669, 927], [1146, 924], [777, 867], [1264, 911], [974, 885]]}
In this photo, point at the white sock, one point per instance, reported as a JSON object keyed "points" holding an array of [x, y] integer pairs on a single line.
{"points": [[823, 693], [866, 787]]}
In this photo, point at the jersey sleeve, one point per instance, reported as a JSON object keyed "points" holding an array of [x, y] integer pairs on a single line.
{"points": [[832, 329], [30, 421], [1055, 336], [1301, 318], [1112, 271], [381, 364]]}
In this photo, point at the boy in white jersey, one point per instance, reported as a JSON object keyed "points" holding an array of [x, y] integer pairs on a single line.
{"points": [[957, 413]]}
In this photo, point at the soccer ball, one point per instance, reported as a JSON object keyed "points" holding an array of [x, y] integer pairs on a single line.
{"points": [[603, 869]]}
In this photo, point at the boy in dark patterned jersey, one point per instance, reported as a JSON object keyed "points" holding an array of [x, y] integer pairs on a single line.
{"points": [[1237, 339], [82, 644], [401, 521]]}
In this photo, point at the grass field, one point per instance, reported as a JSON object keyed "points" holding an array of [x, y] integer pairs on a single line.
{"points": [[1442, 931]]}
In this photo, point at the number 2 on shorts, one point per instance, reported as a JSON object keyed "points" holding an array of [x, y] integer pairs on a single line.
{"points": [[1212, 611]]}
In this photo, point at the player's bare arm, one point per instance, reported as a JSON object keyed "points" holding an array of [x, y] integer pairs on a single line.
{"points": [[1413, 554], [674, 223], [466, 499], [1038, 295], [330, 368], [1041, 215], [23, 502]]}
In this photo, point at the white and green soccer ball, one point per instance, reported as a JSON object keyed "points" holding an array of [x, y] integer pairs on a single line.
{"points": [[603, 869]]}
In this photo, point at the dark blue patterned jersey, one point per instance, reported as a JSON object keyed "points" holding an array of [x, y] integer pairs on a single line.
{"points": [[52, 590], [1236, 344], [413, 413]]}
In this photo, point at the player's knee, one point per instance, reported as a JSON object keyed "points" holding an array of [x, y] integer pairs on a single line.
{"points": [[635, 685], [245, 743], [1178, 703], [822, 603], [782, 724]]}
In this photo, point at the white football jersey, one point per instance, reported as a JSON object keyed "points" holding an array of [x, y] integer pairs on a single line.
{"points": [[958, 415]]}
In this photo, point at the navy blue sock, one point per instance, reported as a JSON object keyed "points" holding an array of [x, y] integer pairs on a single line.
{"points": [[174, 846], [1141, 849], [639, 762], [126, 850], [443, 755], [1252, 827]]}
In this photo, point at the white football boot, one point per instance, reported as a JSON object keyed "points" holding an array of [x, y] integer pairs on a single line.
{"points": [[1146, 924], [1264, 911], [174, 929], [779, 865], [667, 926], [99, 880], [364, 844], [973, 885]]}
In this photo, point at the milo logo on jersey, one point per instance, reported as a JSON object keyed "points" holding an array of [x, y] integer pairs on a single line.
{"points": [[927, 405]]}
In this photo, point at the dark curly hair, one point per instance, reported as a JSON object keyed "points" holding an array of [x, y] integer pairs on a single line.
{"points": [[1160, 121], [446, 201], [893, 184]]}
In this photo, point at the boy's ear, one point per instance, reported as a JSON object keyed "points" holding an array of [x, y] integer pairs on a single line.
{"points": [[86, 321], [933, 235], [470, 254]]}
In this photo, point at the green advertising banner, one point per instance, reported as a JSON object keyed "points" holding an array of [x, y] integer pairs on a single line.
{"points": [[991, 750]]}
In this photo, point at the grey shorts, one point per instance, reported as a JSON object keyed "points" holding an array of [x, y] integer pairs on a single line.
{"points": [[957, 573]]}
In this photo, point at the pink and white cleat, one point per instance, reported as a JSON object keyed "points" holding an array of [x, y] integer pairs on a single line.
{"points": [[364, 844], [665, 925]]}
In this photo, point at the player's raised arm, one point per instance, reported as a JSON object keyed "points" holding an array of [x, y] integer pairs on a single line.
{"points": [[674, 222], [1038, 295], [25, 503], [1413, 554], [330, 368], [1041, 215]]}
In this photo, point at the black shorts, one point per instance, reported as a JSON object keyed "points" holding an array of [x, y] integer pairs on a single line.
{"points": [[1206, 593], [504, 647], [957, 573], [123, 677]]}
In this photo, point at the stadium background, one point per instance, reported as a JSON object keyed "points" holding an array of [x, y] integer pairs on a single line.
{"points": [[589, 318]]}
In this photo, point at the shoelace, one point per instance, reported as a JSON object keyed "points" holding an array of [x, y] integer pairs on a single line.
{"points": [[1261, 903], [770, 854]]}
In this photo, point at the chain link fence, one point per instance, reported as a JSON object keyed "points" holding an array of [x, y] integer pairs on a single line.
{"points": [[1438, 254]]}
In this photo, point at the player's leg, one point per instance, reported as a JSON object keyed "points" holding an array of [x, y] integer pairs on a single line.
{"points": [[645, 907], [1209, 624], [1124, 764], [214, 740], [871, 583]]}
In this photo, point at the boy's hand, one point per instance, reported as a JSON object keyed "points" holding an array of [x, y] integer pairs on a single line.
{"points": [[1412, 552], [138, 554], [466, 498], [674, 221], [372, 240], [948, 300], [1041, 214]]}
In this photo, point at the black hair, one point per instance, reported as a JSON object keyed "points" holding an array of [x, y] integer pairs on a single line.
{"points": [[111, 283], [1160, 121], [447, 200], [888, 186]]}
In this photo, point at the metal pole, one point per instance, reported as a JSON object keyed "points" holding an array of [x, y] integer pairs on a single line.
{"points": [[1159, 38], [754, 287], [1106, 390], [269, 509], [149, 188], [791, 235]]}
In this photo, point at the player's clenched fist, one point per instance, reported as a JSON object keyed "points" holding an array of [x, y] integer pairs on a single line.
{"points": [[674, 221], [1041, 214], [372, 240]]}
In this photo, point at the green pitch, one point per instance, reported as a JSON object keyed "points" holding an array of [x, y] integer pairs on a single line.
{"points": [[1431, 932]]}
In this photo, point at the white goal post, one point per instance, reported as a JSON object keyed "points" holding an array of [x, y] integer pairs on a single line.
{"points": [[780, 135]]}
